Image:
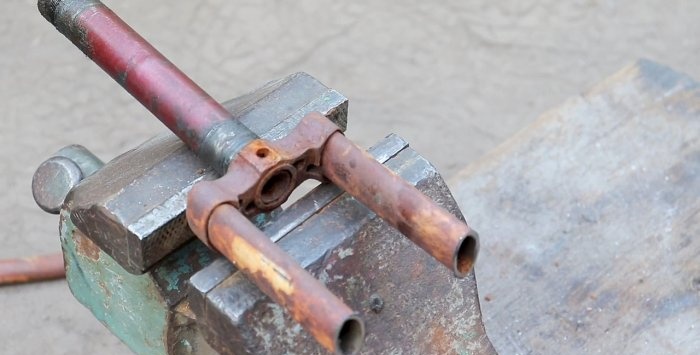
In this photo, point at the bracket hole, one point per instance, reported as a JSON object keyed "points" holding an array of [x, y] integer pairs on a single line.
{"points": [[277, 187], [262, 152]]}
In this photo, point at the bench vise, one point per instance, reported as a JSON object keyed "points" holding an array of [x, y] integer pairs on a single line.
{"points": [[182, 245]]}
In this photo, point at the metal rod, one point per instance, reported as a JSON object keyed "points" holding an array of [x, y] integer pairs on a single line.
{"points": [[442, 235], [32, 269], [184, 107], [332, 323]]}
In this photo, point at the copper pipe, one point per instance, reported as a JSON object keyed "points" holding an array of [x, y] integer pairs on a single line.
{"points": [[32, 269], [332, 323], [431, 227]]}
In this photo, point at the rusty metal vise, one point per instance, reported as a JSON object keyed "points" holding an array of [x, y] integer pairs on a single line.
{"points": [[181, 246]]}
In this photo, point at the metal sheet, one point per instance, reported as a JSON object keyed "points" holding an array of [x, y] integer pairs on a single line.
{"points": [[591, 220]]}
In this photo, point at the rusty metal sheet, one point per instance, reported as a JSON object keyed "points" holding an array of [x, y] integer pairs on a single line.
{"points": [[591, 220]]}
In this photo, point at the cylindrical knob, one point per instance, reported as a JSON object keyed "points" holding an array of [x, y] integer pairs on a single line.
{"points": [[58, 175]]}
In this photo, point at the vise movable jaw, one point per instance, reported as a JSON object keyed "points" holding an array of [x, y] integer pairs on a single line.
{"points": [[134, 207], [132, 260]]}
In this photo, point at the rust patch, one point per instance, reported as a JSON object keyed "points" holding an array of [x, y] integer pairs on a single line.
{"points": [[86, 247], [440, 341]]}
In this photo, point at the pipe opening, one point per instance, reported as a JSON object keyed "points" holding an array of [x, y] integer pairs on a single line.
{"points": [[351, 336], [276, 188], [466, 255]]}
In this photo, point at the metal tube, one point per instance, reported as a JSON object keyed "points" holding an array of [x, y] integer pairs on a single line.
{"points": [[184, 107], [31, 269], [442, 235], [332, 323]]}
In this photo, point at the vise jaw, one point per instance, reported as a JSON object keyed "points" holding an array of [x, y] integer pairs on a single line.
{"points": [[134, 207], [411, 303], [132, 260]]}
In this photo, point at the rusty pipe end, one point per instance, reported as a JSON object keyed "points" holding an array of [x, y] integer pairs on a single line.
{"points": [[445, 237], [465, 254], [350, 336], [275, 186]]}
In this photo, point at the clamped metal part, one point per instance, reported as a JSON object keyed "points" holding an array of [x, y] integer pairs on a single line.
{"points": [[260, 179], [263, 174], [259, 175]]}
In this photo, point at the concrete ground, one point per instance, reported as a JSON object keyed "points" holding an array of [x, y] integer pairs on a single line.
{"points": [[455, 78]]}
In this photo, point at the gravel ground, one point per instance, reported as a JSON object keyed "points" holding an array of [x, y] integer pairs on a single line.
{"points": [[455, 78]]}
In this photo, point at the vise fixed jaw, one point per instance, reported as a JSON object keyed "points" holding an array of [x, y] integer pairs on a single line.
{"points": [[410, 302], [134, 207]]}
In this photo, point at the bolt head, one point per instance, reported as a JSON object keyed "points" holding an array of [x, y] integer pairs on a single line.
{"points": [[376, 303]]}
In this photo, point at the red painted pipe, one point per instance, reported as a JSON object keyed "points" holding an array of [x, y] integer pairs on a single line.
{"points": [[184, 107]]}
